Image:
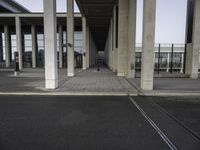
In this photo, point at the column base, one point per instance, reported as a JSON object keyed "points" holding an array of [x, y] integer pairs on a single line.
{"points": [[147, 85], [131, 74], [51, 84], [7, 65], [120, 74], [70, 74], [194, 76]]}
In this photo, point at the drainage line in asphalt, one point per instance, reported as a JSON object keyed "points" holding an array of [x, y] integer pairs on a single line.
{"points": [[153, 124], [190, 132]]}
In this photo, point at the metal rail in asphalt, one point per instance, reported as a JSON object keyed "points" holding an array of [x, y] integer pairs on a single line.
{"points": [[189, 131], [153, 124]]}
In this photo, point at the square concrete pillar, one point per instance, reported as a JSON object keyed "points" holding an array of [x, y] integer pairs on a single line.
{"points": [[109, 47], [60, 28], [70, 37], [192, 58], [7, 45], [123, 38], [87, 47], [84, 30], [19, 41], [114, 41], [34, 45], [132, 38], [111, 44], [50, 36], [1, 47], [149, 21]]}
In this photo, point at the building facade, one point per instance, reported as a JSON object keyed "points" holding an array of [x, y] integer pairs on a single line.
{"points": [[53, 40]]}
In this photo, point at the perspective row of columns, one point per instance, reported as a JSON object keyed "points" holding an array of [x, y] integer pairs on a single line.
{"points": [[50, 35], [7, 40], [122, 55], [50, 22], [19, 45]]}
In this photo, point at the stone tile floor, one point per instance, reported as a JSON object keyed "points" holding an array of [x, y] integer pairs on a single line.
{"points": [[91, 80], [97, 81]]}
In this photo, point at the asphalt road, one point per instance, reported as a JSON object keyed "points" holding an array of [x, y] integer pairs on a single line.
{"points": [[99, 123]]}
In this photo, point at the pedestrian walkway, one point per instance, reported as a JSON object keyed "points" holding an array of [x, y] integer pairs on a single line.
{"points": [[85, 82], [102, 81], [171, 86]]}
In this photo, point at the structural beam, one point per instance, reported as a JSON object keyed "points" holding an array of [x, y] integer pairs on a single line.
{"points": [[149, 19], [50, 32], [70, 37], [7, 45], [60, 30], [34, 45], [19, 41]]}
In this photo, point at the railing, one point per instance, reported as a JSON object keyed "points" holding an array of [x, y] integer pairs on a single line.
{"points": [[168, 58]]}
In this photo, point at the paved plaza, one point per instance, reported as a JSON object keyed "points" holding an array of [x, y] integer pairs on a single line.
{"points": [[93, 82], [85, 81], [171, 85]]}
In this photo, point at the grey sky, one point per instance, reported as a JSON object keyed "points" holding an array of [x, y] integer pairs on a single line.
{"points": [[170, 18]]}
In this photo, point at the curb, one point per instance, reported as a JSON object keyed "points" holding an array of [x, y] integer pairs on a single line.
{"points": [[66, 94], [171, 94]]}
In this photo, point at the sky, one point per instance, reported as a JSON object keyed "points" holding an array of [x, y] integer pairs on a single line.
{"points": [[170, 18]]}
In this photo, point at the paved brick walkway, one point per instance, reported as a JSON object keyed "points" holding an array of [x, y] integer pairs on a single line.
{"points": [[97, 81], [88, 81]]}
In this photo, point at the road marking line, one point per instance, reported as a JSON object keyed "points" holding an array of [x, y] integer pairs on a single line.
{"points": [[153, 124]]}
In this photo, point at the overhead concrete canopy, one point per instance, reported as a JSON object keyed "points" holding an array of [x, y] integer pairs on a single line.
{"points": [[7, 6], [35, 18], [98, 14]]}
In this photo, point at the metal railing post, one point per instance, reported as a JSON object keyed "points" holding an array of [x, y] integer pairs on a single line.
{"points": [[172, 57]]}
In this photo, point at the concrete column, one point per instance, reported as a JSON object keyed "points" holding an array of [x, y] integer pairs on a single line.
{"points": [[50, 35], [195, 42], [70, 37], [19, 41], [1, 47], [182, 63], [149, 19], [114, 41], [60, 28], [110, 49], [84, 28], [132, 38], [168, 59], [34, 46], [123, 38], [7, 45], [88, 47]]}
